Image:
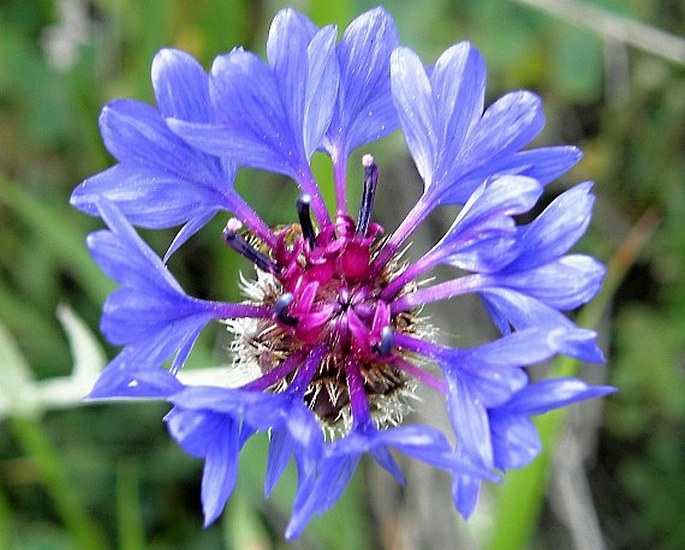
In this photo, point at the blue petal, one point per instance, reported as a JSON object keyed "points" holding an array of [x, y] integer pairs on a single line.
{"points": [[234, 402], [220, 473], [482, 237], [286, 49], [506, 126], [497, 198], [250, 146], [543, 164], [515, 440], [365, 110], [564, 284], [384, 457], [494, 385], [294, 431], [274, 116], [469, 418], [134, 132], [342, 456], [322, 89], [280, 451], [149, 197], [214, 437], [523, 347], [252, 125], [160, 181], [126, 379], [296, 434], [412, 94], [465, 491], [333, 479], [125, 257], [492, 369], [130, 314], [423, 443], [181, 86], [552, 394], [523, 312], [188, 230], [458, 84], [150, 313], [558, 228]]}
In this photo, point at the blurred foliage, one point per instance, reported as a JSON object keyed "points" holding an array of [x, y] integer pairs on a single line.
{"points": [[81, 477]]}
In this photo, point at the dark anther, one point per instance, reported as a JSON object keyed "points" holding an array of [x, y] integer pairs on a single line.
{"points": [[303, 202], [281, 309], [387, 341], [238, 243], [369, 194]]}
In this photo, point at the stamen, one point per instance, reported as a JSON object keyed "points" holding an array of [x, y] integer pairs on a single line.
{"points": [[369, 194], [281, 309], [238, 243], [303, 213], [387, 341]]}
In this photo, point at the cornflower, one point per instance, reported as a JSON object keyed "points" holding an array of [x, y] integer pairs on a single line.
{"points": [[330, 339]]}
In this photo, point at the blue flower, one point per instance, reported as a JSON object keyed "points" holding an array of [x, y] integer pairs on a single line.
{"points": [[511, 434], [150, 315], [159, 180], [328, 339]]}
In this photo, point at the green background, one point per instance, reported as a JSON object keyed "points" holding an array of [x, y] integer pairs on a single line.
{"points": [[108, 476]]}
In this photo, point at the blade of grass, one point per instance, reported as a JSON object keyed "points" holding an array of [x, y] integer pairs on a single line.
{"points": [[131, 534], [36, 442], [241, 525], [519, 500], [55, 224], [5, 522]]}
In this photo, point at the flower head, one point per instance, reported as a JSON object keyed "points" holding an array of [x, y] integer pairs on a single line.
{"points": [[329, 338]]}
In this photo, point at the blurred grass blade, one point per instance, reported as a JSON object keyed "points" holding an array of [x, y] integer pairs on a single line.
{"points": [[5, 522], [519, 500], [131, 534], [64, 494], [241, 525], [55, 224]]}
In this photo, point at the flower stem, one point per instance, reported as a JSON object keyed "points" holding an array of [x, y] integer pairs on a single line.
{"points": [[416, 215], [243, 211], [412, 272], [308, 185], [418, 345], [361, 413], [277, 373], [233, 311], [5, 522], [442, 291], [340, 181], [421, 375]]}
